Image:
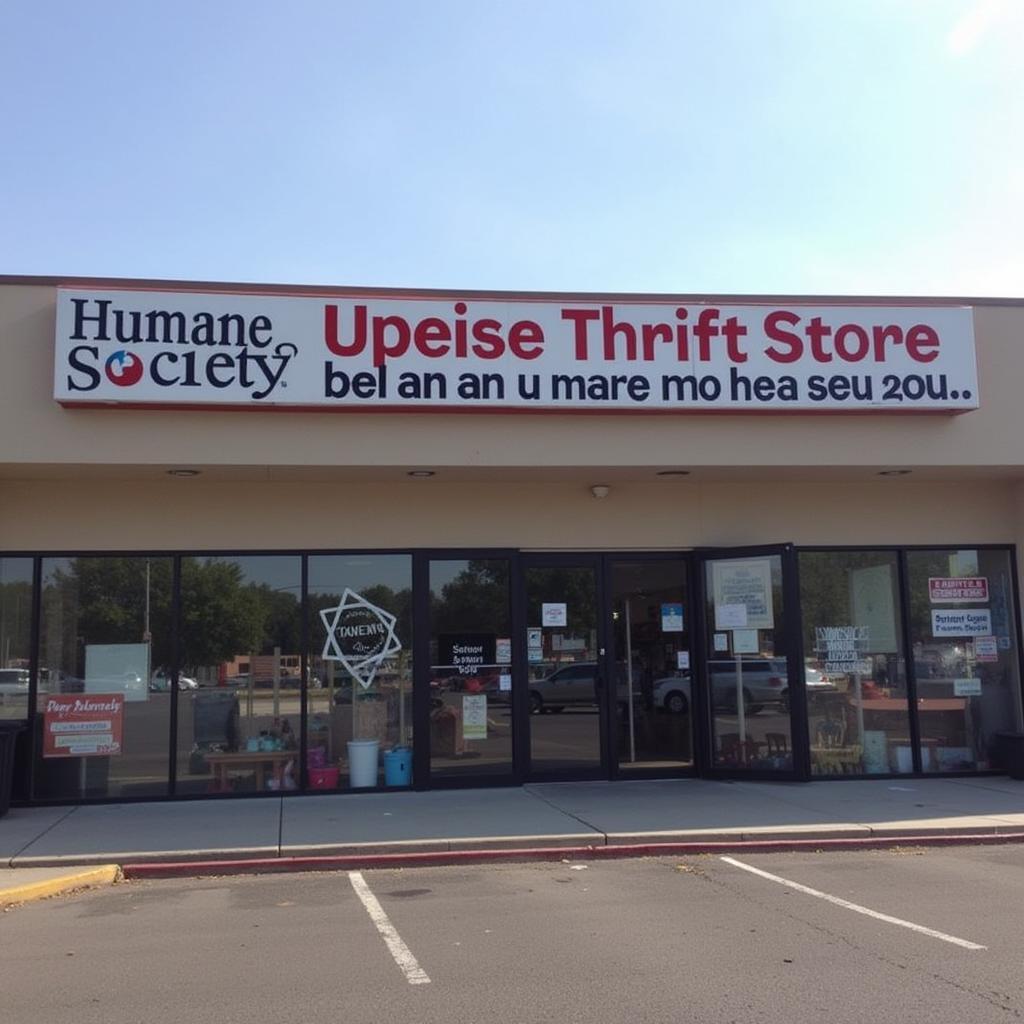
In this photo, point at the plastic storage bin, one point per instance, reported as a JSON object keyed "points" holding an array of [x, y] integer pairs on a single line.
{"points": [[398, 766], [362, 763], [323, 778]]}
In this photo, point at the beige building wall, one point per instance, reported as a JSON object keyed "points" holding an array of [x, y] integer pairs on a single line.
{"points": [[190, 514], [36, 432], [77, 479]]}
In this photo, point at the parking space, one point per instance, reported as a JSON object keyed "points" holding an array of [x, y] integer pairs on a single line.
{"points": [[657, 939], [653, 937]]}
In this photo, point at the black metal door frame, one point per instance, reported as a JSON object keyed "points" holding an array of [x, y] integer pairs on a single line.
{"points": [[521, 711], [690, 607], [421, 631]]}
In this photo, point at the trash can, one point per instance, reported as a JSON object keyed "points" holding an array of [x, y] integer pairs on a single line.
{"points": [[397, 766], [1010, 753], [8, 737], [362, 763]]}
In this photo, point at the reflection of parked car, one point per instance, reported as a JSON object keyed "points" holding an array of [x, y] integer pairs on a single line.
{"points": [[817, 682], [13, 683], [575, 686], [571, 685], [764, 681], [161, 683], [672, 694]]}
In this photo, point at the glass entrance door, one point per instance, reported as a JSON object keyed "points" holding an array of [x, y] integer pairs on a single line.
{"points": [[652, 724], [565, 667], [470, 624]]}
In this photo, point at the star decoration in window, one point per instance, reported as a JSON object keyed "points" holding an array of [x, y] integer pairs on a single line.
{"points": [[359, 635]]}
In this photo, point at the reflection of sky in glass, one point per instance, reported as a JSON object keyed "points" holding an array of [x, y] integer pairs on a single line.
{"points": [[51, 567], [446, 570], [15, 570], [331, 574], [279, 572]]}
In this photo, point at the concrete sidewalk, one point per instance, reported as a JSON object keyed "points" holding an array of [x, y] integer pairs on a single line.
{"points": [[559, 816]]}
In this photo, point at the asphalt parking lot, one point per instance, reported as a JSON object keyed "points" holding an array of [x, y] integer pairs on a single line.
{"points": [[666, 939]]}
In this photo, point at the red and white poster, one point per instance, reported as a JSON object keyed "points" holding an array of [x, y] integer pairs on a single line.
{"points": [[957, 588], [83, 725]]}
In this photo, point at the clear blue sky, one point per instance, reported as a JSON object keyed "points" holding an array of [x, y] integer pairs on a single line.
{"points": [[820, 146]]}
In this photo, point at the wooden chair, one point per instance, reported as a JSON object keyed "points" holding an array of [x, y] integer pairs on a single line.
{"points": [[830, 753], [733, 750]]}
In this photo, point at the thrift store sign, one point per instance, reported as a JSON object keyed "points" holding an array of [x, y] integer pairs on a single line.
{"points": [[252, 350]]}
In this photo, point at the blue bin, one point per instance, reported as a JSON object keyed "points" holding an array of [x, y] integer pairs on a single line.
{"points": [[398, 766]]}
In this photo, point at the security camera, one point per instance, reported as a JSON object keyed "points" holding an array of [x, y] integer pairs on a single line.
{"points": [[600, 490]]}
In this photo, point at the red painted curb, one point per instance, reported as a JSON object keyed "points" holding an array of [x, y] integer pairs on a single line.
{"points": [[356, 861]]}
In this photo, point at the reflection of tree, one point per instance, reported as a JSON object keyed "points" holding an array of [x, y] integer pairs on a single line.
{"points": [[476, 601], [15, 620], [103, 601], [574, 587], [921, 565], [825, 588], [222, 615], [397, 602]]}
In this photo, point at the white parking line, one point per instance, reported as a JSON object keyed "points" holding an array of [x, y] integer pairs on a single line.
{"points": [[847, 905], [414, 974]]}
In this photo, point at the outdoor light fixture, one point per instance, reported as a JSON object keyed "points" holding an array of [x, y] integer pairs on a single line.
{"points": [[600, 490], [421, 473], [894, 472], [183, 472]]}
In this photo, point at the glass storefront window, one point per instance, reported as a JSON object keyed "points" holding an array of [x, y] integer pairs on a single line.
{"points": [[15, 635], [103, 720], [360, 671], [470, 668], [240, 681], [857, 710], [748, 678], [964, 635], [254, 653]]}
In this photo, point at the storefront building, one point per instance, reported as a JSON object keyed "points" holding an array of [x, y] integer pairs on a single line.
{"points": [[261, 539]]}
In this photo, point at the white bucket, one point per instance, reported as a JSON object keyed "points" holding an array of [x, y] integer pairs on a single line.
{"points": [[362, 763]]}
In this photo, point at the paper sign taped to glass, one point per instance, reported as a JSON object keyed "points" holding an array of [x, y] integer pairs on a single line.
{"points": [[747, 582], [474, 716], [83, 725]]}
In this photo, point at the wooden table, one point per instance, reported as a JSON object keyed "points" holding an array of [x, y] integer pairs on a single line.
{"points": [[256, 761], [923, 703]]}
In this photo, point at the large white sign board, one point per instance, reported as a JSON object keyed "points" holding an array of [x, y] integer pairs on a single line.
{"points": [[253, 350], [118, 668]]}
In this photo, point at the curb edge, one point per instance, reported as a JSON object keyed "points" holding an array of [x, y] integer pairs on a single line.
{"points": [[356, 861], [14, 895]]}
